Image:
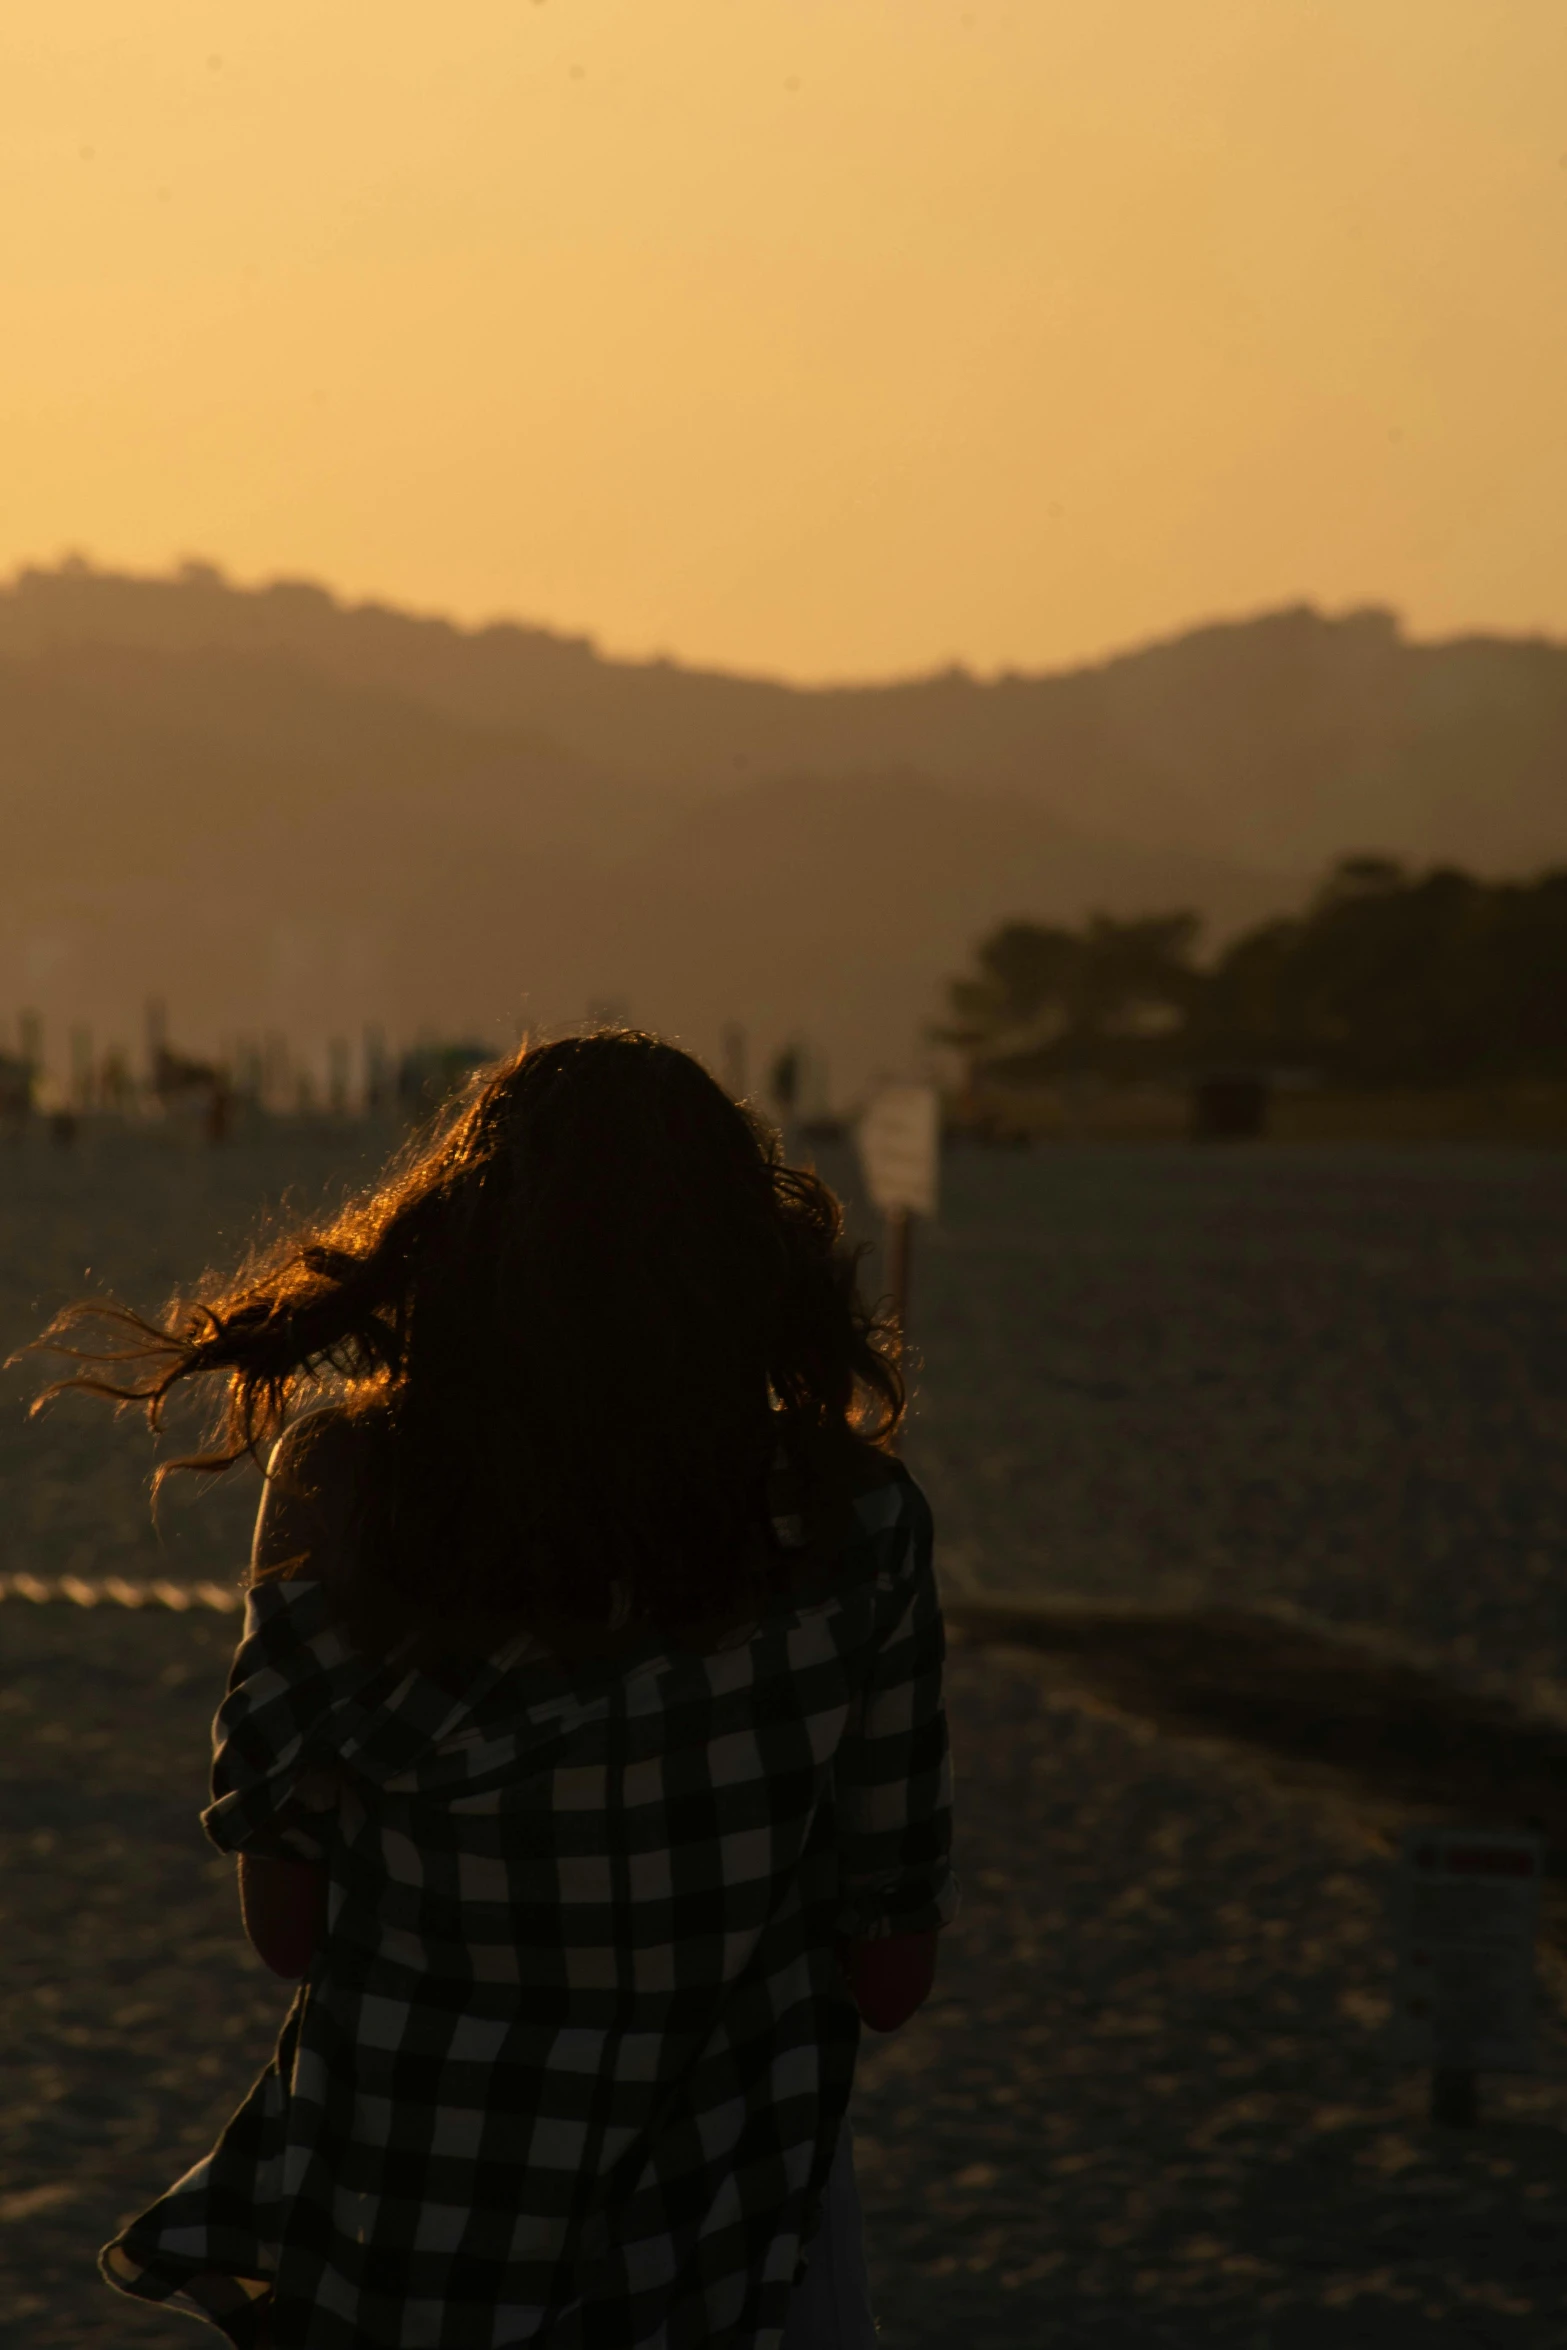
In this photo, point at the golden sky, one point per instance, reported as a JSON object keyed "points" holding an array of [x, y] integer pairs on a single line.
{"points": [[829, 337]]}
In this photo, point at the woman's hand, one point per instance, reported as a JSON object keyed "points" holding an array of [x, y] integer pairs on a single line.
{"points": [[890, 1977], [283, 1905]]}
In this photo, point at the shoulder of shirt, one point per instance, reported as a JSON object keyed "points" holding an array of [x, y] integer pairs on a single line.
{"points": [[887, 1496], [299, 1601]]}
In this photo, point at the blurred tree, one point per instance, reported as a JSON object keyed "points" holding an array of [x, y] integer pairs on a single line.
{"points": [[1046, 1000], [1387, 978], [1390, 978]]}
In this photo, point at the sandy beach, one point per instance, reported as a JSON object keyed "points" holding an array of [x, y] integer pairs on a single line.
{"points": [[1148, 2103], [1206, 1418]]}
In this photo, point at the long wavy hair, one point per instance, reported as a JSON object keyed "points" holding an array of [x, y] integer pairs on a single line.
{"points": [[579, 1323]]}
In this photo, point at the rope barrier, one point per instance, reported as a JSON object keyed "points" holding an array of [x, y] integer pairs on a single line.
{"points": [[120, 1591]]}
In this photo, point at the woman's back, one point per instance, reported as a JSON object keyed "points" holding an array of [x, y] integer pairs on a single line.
{"points": [[577, 2037]]}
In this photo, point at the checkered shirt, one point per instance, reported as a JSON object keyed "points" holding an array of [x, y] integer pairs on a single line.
{"points": [[570, 2064]]}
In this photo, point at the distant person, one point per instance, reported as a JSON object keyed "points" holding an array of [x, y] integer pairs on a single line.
{"points": [[584, 1752]]}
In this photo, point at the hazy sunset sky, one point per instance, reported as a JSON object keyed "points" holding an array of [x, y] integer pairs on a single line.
{"points": [[827, 337]]}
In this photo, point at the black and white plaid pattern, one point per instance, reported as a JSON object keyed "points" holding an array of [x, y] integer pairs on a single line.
{"points": [[572, 2061]]}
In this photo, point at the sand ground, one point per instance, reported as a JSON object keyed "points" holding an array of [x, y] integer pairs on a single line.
{"points": [[1147, 2104]]}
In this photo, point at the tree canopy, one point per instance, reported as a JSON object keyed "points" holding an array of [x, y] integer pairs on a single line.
{"points": [[1388, 977]]}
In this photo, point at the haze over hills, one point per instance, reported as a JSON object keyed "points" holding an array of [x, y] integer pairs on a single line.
{"points": [[284, 812]]}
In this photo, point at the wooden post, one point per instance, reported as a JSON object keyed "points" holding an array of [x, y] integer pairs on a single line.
{"points": [[337, 1061], [81, 1069], [1469, 1904], [900, 1152], [900, 1265], [899, 1245], [157, 1038]]}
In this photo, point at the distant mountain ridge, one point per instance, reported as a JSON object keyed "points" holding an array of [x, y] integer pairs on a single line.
{"points": [[281, 810], [1277, 741]]}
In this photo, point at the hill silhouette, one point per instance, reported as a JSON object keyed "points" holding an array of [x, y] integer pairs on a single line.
{"points": [[282, 811]]}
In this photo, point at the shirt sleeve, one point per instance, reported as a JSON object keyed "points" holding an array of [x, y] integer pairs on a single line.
{"points": [[894, 1772], [275, 1779]]}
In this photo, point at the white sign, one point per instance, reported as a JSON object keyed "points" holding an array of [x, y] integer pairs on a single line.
{"points": [[900, 1149], [1469, 1901]]}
